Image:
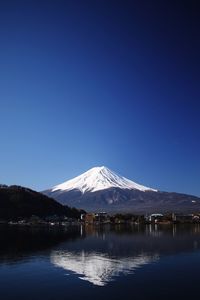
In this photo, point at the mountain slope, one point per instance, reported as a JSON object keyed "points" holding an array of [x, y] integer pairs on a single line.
{"points": [[17, 201], [102, 189]]}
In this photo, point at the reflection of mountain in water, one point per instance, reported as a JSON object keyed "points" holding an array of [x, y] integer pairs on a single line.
{"points": [[98, 268]]}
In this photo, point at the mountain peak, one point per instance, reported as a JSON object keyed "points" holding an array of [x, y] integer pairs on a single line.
{"points": [[97, 169], [99, 178]]}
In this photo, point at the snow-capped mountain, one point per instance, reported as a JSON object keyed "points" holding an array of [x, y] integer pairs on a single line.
{"points": [[99, 178], [100, 189]]}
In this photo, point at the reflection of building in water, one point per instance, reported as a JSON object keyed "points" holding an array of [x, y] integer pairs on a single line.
{"points": [[97, 231], [153, 230], [97, 268]]}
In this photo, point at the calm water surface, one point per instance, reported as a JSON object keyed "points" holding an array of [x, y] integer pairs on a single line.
{"points": [[135, 262]]}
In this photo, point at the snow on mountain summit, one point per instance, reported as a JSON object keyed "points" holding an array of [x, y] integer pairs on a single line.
{"points": [[99, 178]]}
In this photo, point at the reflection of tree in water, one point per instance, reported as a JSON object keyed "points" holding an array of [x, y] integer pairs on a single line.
{"points": [[18, 242], [130, 240], [130, 229]]}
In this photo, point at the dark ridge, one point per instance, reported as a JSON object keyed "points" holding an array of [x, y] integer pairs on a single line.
{"points": [[21, 202]]}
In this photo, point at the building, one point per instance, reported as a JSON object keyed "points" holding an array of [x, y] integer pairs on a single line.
{"points": [[101, 217], [179, 218], [89, 218], [154, 218]]}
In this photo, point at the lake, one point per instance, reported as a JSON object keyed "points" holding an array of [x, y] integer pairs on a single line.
{"points": [[105, 262]]}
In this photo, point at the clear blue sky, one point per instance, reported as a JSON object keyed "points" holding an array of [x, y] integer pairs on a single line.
{"points": [[100, 82]]}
